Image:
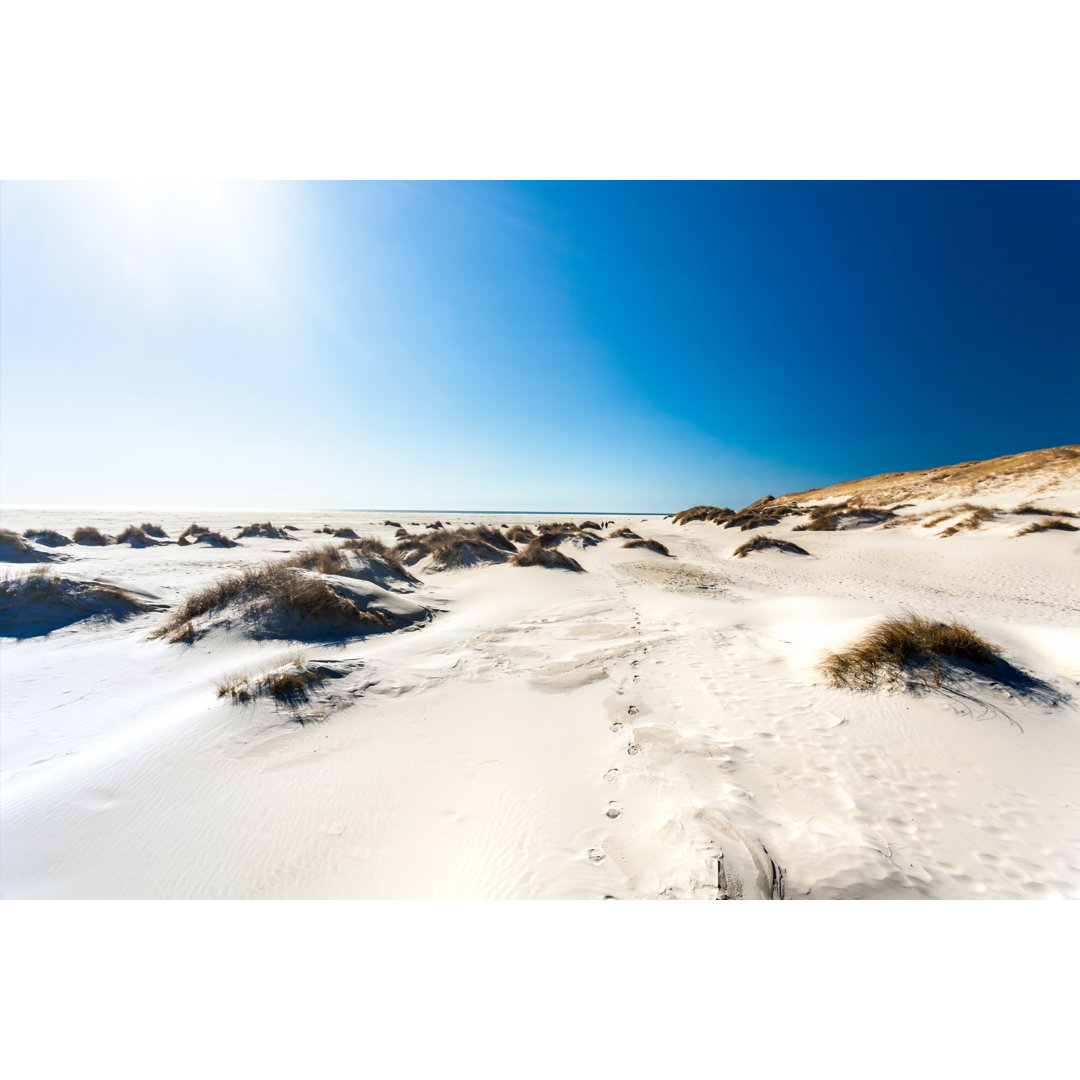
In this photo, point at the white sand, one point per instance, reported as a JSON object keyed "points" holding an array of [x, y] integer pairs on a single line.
{"points": [[556, 735]]}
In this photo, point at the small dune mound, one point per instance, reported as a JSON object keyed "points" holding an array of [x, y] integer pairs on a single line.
{"points": [[280, 601], [87, 534], [452, 549], [594, 525], [629, 534], [649, 545], [536, 554], [364, 558], [346, 534], [265, 530], [761, 543], [520, 534], [48, 537], [40, 602], [457, 553], [830, 518], [904, 649], [1045, 526], [136, 536], [197, 534], [392, 524], [716, 514], [554, 533], [156, 531], [13, 548]]}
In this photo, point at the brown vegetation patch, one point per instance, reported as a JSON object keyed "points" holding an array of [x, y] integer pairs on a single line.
{"points": [[981, 515], [536, 554], [843, 516], [454, 549], [520, 534], [136, 537], [87, 534], [1044, 526], [264, 529], [904, 646], [274, 600], [48, 537], [629, 534], [649, 545], [761, 543], [155, 531], [13, 548], [1027, 508], [717, 514], [40, 602]]}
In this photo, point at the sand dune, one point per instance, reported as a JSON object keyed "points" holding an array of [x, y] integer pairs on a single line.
{"points": [[646, 726]]}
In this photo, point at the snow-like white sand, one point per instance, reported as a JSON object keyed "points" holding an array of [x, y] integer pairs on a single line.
{"points": [[653, 727]]}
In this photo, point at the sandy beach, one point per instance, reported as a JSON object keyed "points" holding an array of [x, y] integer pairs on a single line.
{"points": [[649, 726]]}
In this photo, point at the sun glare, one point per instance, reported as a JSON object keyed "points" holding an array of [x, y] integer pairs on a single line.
{"points": [[170, 240]]}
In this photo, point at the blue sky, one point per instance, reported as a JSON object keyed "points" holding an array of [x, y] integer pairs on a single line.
{"points": [[535, 346]]}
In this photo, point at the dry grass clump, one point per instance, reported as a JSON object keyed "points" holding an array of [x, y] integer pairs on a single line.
{"points": [[452, 549], [334, 558], [718, 514], [393, 524], [1027, 508], [346, 534], [520, 534], [155, 531], [136, 536], [264, 529], [553, 533], [536, 554], [904, 646], [274, 600], [40, 602], [629, 534], [761, 543], [291, 682], [13, 548], [981, 515], [595, 526], [48, 537], [204, 536], [1044, 526], [87, 534], [650, 545], [830, 518]]}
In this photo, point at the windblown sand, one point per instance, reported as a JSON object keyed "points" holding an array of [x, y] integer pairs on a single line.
{"points": [[652, 727]]}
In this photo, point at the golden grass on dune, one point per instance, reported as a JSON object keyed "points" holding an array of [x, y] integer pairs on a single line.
{"points": [[649, 545], [763, 543], [1045, 526], [536, 553], [276, 600], [1053, 465], [902, 646]]}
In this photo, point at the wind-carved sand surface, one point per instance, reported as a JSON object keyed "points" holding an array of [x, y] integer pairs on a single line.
{"points": [[650, 727]]}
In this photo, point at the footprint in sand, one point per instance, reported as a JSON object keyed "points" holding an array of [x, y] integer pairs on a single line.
{"points": [[633, 749], [611, 775], [632, 710], [595, 855], [617, 726], [613, 810]]}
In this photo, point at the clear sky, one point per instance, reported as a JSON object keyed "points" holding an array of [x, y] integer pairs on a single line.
{"points": [[533, 346]]}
